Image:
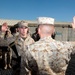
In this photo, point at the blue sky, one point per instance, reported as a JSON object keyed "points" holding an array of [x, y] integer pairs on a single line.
{"points": [[61, 10]]}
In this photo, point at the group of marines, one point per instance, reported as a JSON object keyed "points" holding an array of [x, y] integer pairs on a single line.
{"points": [[43, 57]]}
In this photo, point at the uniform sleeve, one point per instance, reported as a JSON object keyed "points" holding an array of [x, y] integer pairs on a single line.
{"points": [[29, 60], [71, 66], [25, 57], [3, 42]]}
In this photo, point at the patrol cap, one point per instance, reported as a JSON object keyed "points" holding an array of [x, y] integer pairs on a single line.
{"points": [[45, 20], [22, 24]]}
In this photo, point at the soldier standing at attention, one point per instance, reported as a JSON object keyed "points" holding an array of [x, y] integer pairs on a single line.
{"points": [[22, 40], [48, 56]]}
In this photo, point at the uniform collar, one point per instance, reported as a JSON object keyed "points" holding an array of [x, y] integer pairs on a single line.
{"points": [[47, 38], [21, 39]]}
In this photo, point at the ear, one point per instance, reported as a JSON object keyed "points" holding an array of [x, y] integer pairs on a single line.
{"points": [[19, 29], [28, 31], [38, 30], [53, 30]]}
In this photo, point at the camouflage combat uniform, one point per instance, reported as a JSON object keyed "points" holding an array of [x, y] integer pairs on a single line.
{"points": [[6, 51], [2, 34], [20, 44], [48, 57]]}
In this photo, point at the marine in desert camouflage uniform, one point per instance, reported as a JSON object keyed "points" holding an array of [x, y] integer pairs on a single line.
{"points": [[22, 41], [5, 40], [48, 56]]}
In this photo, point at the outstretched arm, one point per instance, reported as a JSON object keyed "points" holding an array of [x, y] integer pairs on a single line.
{"points": [[73, 23]]}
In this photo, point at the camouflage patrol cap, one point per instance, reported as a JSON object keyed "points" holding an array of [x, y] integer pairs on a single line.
{"points": [[22, 24], [45, 20]]}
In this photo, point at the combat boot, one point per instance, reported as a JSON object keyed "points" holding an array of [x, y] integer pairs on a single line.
{"points": [[5, 67], [9, 66]]}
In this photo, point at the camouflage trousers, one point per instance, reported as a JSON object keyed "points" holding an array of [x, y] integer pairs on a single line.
{"points": [[6, 57]]}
